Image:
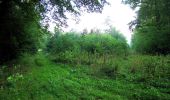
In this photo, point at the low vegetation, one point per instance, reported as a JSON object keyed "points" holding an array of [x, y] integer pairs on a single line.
{"points": [[133, 77]]}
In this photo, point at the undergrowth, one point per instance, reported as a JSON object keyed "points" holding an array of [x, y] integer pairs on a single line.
{"points": [[140, 77]]}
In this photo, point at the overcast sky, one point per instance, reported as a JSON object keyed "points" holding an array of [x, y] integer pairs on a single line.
{"points": [[119, 16]]}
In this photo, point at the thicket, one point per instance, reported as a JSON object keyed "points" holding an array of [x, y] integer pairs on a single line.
{"points": [[75, 47]]}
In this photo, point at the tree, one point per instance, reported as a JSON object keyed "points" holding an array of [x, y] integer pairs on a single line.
{"points": [[152, 26], [20, 28], [58, 8]]}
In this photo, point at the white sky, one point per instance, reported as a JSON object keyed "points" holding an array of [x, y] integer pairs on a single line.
{"points": [[119, 16]]}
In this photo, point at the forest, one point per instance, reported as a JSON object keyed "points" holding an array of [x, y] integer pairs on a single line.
{"points": [[36, 64]]}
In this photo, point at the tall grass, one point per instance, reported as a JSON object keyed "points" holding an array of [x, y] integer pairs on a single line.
{"points": [[136, 77]]}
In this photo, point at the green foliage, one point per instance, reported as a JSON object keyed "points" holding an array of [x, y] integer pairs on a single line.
{"points": [[150, 40], [76, 48], [152, 26], [102, 44], [20, 30], [150, 67], [15, 77]]}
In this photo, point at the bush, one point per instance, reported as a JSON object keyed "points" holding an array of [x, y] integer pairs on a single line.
{"points": [[72, 47]]}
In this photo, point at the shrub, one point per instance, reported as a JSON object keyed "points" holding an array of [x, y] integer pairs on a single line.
{"points": [[70, 47]]}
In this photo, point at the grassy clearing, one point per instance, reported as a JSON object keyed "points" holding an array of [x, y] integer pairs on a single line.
{"points": [[136, 77]]}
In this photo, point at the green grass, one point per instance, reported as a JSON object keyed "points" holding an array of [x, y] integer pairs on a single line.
{"points": [[125, 79]]}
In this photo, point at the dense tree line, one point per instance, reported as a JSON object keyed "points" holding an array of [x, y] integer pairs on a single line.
{"points": [[152, 31], [111, 42]]}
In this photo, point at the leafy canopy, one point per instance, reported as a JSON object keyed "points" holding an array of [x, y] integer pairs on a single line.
{"points": [[152, 31]]}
